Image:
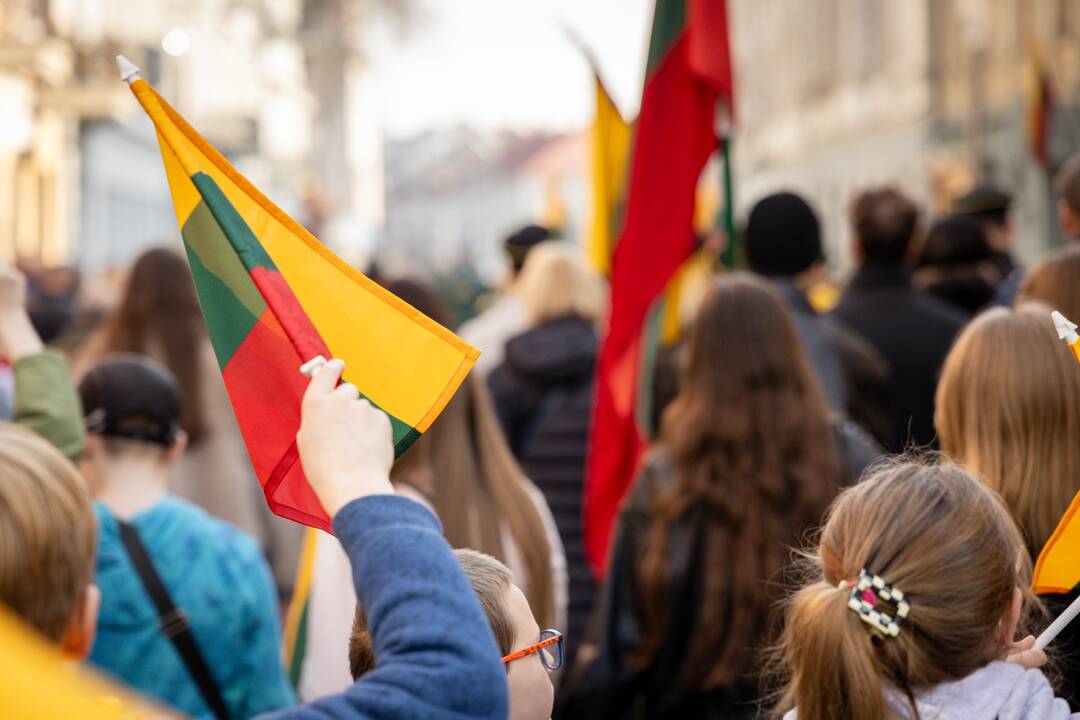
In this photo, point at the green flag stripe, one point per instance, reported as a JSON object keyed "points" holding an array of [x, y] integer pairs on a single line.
{"points": [[227, 319], [669, 22], [296, 662], [404, 435], [204, 237], [247, 246]]}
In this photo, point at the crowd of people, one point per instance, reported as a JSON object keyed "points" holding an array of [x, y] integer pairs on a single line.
{"points": [[837, 516]]}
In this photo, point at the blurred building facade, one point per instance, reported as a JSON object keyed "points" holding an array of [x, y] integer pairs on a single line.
{"points": [[928, 94], [453, 195], [80, 172]]}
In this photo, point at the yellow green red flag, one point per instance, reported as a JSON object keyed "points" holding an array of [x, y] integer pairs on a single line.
{"points": [[274, 297]]}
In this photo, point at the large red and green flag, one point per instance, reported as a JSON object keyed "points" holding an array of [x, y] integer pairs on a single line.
{"points": [[688, 73], [274, 297]]}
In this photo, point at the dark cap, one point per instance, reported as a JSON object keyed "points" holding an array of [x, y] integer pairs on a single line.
{"points": [[522, 241], [983, 200], [782, 237], [133, 397]]}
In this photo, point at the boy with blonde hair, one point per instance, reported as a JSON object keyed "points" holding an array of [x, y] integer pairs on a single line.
{"points": [[48, 539]]}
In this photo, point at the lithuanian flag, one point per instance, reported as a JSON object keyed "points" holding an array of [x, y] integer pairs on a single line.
{"points": [[274, 298]]}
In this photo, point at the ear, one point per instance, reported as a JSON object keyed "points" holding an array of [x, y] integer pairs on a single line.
{"points": [[1011, 618], [174, 453], [79, 637]]}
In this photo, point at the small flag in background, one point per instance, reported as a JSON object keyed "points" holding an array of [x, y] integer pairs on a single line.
{"points": [[274, 297], [1039, 104]]}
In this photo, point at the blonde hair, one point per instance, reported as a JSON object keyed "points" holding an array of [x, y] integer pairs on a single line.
{"points": [[1008, 409], [556, 282], [48, 532], [489, 579], [948, 544]]}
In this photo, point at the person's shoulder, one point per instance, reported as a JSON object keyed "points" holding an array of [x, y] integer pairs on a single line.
{"points": [[224, 535], [935, 310], [655, 475]]}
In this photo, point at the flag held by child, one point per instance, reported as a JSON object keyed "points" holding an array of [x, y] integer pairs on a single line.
{"points": [[274, 297]]}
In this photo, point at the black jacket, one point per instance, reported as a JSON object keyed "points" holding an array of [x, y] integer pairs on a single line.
{"points": [[852, 373], [543, 396], [913, 332]]}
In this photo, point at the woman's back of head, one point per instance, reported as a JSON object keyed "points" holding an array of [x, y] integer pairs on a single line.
{"points": [[754, 466], [556, 282], [939, 537], [159, 316], [1008, 409], [1055, 281]]}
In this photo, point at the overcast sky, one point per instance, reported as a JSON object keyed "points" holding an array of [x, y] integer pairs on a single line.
{"points": [[507, 63]]}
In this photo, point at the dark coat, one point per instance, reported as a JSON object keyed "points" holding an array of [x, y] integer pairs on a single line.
{"points": [[543, 396], [853, 375], [913, 332]]}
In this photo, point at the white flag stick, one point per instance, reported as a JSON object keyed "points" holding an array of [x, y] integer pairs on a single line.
{"points": [[1058, 625]]}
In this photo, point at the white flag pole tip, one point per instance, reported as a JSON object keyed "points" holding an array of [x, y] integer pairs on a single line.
{"points": [[129, 71], [1066, 330], [312, 366]]}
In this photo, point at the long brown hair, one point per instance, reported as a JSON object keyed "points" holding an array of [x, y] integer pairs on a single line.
{"points": [[463, 465], [159, 312], [1008, 409], [946, 542], [754, 466], [1054, 281]]}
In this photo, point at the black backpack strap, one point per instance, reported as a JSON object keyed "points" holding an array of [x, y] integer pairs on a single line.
{"points": [[174, 623]]}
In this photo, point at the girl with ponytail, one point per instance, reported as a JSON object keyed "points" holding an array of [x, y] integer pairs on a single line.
{"points": [[915, 595]]}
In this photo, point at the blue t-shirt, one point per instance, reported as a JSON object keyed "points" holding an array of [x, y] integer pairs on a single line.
{"points": [[217, 575]]}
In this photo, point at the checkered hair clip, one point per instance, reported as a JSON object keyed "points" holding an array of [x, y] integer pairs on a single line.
{"points": [[878, 604]]}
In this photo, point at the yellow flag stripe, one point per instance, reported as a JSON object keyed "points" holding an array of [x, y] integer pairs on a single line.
{"points": [[1057, 569]]}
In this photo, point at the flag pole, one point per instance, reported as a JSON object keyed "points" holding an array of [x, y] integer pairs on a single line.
{"points": [[724, 132], [1060, 623]]}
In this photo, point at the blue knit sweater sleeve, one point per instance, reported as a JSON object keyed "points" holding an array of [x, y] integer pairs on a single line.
{"points": [[435, 655]]}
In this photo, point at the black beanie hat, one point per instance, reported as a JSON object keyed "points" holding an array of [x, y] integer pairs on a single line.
{"points": [[782, 236], [522, 241]]}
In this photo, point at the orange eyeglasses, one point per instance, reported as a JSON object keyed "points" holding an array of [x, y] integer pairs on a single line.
{"points": [[550, 648]]}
